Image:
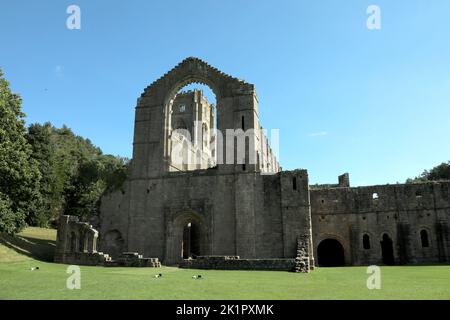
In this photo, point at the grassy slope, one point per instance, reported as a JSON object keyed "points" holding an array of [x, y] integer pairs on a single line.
{"points": [[37, 243], [17, 281]]}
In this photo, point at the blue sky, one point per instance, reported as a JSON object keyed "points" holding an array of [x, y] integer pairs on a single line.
{"points": [[374, 103]]}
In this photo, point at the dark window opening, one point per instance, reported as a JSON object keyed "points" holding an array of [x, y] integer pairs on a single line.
{"points": [[424, 239], [366, 242], [242, 123], [243, 167], [387, 250], [294, 183]]}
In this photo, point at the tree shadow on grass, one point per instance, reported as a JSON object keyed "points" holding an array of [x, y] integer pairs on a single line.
{"points": [[39, 249]]}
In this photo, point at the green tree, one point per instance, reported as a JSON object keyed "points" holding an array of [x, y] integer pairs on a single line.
{"points": [[440, 172], [40, 138], [75, 173], [94, 177], [19, 174]]}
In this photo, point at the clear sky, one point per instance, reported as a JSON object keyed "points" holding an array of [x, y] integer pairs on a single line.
{"points": [[374, 103]]}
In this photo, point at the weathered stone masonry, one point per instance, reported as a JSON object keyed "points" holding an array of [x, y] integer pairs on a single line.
{"points": [[416, 217], [235, 209], [238, 216]]}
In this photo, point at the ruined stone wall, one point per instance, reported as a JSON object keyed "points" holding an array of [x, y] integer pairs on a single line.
{"points": [[246, 214], [236, 209], [402, 211], [77, 243]]}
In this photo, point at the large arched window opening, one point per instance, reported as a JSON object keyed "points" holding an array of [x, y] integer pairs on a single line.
{"points": [[193, 123], [330, 253]]}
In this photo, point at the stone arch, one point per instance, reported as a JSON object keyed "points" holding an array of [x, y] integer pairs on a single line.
{"points": [[175, 237], [344, 243], [387, 248], [113, 243], [168, 105], [330, 253], [366, 241], [424, 237], [152, 148]]}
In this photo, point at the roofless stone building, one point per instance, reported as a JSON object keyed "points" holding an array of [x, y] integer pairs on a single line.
{"points": [[192, 198]]}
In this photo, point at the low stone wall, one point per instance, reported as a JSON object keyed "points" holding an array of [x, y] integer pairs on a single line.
{"points": [[235, 263], [77, 244], [83, 258], [133, 259]]}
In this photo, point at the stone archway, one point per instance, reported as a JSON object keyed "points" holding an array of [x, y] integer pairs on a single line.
{"points": [[191, 240], [113, 243], [387, 250], [152, 149], [187, 237], [330, 253]]}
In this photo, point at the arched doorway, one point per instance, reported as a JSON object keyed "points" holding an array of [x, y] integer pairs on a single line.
{"points": [[187, 237], [191, 240], [387, 250], [113, 243], [330, 253]]}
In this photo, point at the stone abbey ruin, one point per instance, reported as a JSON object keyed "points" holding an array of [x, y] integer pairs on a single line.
{"points": [[246, 213]]}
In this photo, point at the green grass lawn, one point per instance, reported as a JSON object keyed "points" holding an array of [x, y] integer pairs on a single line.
{"points": [[17, 281]]}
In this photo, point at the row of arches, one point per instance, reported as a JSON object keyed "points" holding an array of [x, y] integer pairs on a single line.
{"points": [[424, 239], [330, 252], [82, 241]]}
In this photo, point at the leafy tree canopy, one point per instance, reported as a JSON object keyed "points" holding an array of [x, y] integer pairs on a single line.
{"points": [[19, 173], [440, 172], [47, 171]]}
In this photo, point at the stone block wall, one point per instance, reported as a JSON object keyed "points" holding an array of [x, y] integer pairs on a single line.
{"points": [[247, 214], [77, 244], [402, 211]]}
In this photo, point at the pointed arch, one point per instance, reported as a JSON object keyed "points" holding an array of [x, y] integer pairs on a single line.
{"points": [[153, 125]]}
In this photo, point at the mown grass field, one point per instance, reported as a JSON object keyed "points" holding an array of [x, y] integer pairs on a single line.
{"points": [[35, 246]]}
